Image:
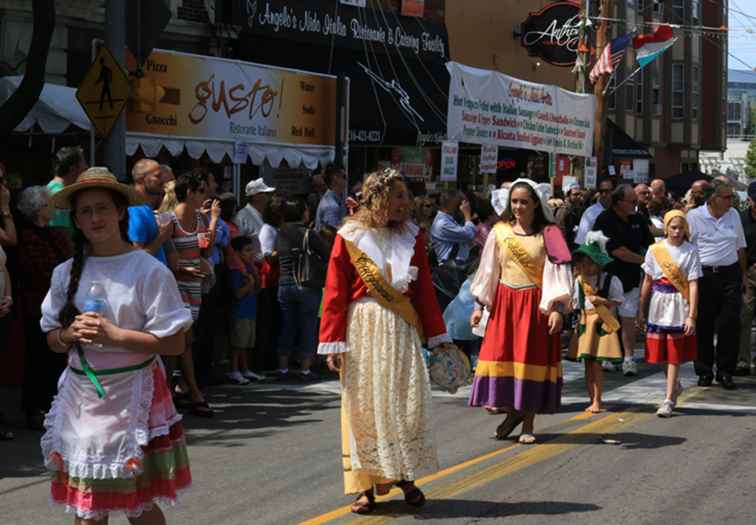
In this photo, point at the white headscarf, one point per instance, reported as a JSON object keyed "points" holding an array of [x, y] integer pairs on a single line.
{"points": [[500, 198]]}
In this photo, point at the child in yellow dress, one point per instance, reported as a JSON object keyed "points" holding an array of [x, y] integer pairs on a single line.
{"points": [[595, 297]]}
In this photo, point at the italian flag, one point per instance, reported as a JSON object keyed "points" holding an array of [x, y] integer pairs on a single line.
{"points": [[649, 47]]}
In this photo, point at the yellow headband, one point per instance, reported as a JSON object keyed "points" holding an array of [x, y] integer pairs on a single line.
{"points": [[673, 214]]}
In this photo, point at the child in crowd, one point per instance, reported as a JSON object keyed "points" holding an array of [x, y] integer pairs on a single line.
{"points": [[672, 269], [596, 295], [243, 328]]}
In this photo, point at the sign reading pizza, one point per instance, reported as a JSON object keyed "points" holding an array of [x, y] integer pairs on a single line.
{"points": [[553, 33]]}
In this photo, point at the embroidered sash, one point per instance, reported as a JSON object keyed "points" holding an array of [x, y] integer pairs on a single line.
{"points": [[381, 290], [670, 269], [610, 322], [520, 256]]}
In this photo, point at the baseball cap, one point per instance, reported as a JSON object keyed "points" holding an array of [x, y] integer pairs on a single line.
{"points": [[257, 186]]}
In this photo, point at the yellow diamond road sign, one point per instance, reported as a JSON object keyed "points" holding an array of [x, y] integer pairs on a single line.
{"points": [[104, 91]]}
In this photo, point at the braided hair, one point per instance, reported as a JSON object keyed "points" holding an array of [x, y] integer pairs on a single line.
{"points": [[69, 311]]}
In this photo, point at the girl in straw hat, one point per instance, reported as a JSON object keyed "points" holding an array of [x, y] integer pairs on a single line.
{"points": [[524, 280], [113, 439], [672, 270], [379, 306], [597, 294]]}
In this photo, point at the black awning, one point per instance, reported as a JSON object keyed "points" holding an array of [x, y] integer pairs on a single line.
{"points": [[396, 65], [623, 145]]}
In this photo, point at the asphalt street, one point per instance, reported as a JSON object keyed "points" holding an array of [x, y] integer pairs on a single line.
{"points": [[271, 456]]}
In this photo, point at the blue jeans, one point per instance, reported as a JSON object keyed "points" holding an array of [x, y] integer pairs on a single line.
{"points": [[299, 320]]}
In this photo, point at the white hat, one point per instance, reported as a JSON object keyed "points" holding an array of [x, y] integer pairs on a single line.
{"points": [[543, 191], [571, 186], [257, 186]]}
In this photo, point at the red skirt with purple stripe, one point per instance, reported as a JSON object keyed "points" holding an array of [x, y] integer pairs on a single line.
{"points": [[519, 366]]}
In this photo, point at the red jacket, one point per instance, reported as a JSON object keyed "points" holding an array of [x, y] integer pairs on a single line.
{"points": [[344, 286]]}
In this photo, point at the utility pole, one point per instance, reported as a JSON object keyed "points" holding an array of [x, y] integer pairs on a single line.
{"points": [[583, 51], [599, 88], [115, 40]]}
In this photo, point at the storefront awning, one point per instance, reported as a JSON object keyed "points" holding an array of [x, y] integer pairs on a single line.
{"points": [[222, 107], [624, 146], [56, 110], [294, 156]]}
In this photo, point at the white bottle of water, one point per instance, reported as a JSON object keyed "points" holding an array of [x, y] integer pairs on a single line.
{"points": [[96, 301]]}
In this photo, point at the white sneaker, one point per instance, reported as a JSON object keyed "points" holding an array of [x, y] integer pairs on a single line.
{"points": [[237, 379], [608, 366], [629, 368], [665, 410], [249, 374]]}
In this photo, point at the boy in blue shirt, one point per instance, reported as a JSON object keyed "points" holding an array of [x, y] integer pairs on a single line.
{"points": [[244, 312]]}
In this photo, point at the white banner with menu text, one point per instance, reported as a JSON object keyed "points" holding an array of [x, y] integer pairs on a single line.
{"points": [[487, 107]]}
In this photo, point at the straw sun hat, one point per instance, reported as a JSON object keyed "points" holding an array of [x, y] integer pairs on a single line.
{"points": [[95, 178]]}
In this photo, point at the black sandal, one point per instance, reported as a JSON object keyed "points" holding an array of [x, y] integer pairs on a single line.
{"points": [[507, 426], [202, 409], [360, 507], [412, 495]]}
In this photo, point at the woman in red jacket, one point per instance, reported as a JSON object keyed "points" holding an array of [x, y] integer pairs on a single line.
{"points": [[379, 306]]}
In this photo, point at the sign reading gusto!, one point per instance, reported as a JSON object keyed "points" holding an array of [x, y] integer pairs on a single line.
{"points": [[553, 33]]}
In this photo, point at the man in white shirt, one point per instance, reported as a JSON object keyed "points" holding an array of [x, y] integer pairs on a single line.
{"points": [[249, 219], [717, 231], [606, 187]]}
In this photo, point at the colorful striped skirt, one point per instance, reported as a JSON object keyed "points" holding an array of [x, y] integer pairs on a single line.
{"points": [[122, 453], [519, 366], [666, 341]]}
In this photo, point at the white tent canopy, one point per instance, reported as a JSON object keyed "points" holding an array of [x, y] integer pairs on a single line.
{"points": [[56, 109]]}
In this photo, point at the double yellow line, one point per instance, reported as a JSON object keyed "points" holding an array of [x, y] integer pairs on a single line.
{"points": [[531, 456]]}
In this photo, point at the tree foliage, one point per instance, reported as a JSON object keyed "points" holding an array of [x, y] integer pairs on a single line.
{"points": [[750, 163]]}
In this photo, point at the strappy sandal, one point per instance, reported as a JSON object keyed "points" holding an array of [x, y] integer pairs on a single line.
{"points": [[202, 409], [507, 426], [364, 507], [412, 495]]}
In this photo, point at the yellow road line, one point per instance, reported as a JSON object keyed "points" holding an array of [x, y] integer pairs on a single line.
{"points": [[530, 456], [343, 511]]}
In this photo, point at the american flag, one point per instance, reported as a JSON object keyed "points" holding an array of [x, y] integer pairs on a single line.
{"points": [[611, 56]]}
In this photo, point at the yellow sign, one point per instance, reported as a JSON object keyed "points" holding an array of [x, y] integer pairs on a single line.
{"points": [[104, 91]]}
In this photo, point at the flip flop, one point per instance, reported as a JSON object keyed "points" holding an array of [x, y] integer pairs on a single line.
{"points": [[361, 507], [412, 495], [202, 409], [507, 426]]}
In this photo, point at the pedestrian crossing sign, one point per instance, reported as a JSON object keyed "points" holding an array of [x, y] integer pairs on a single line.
{"points": [[104, 91]]}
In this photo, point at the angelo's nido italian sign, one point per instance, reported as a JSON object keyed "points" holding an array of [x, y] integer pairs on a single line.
{"points": [[192, 96]]}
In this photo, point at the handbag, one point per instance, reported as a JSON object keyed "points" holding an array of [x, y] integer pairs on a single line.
{"points": [[310, 270], [450, 369]]}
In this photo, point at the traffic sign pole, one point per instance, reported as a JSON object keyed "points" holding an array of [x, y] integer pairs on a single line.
{"points": [[115, 40]]}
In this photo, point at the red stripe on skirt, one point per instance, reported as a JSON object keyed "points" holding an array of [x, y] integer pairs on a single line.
{"points": [[674, 349]]}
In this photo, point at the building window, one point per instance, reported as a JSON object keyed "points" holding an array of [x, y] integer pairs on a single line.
{"points": [[639, 93], [658, 8], [656, 102], [695, 12], [678, 11], [695, 94], [630, 95], [612, 102], [678, 90]]}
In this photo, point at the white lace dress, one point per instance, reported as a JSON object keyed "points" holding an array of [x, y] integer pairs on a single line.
{"points": [[386, 393]]}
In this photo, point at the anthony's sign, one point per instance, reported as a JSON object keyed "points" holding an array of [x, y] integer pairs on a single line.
{"points": [[553, 33]]}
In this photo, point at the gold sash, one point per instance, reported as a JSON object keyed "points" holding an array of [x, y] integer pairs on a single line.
{"points": [[382, 291], [611, 324], [670, 269], [520, 256]]}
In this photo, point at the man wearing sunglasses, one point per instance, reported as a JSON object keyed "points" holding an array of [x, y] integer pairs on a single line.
{"points": [[592, 212]]}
